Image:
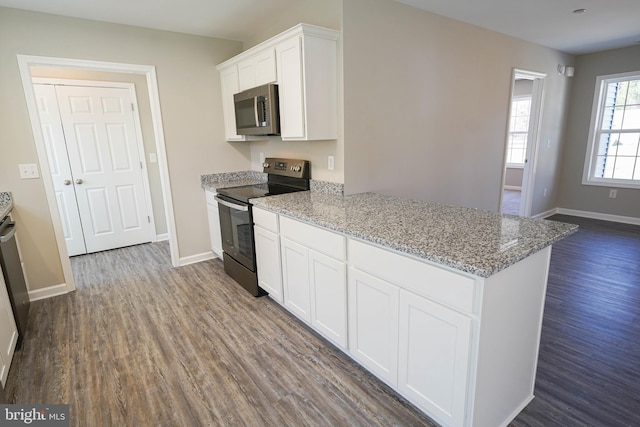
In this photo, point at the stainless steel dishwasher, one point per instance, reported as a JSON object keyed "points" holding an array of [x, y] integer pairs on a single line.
{"points": [[13, 276]]}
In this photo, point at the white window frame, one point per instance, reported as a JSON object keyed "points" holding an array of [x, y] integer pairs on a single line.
{"points": [[519, 98], [596, 119]]}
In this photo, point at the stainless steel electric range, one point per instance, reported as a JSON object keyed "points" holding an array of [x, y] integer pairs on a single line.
{"points": [[236, 219]]}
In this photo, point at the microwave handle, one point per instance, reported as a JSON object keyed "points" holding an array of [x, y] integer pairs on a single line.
{"points": [[255, 110]]}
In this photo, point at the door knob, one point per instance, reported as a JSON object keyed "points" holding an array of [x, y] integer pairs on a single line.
{"points": [[66, 182], [79, 181]]}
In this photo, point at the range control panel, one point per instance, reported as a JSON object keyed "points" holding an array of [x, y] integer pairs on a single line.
{"points": [[287, 167]]}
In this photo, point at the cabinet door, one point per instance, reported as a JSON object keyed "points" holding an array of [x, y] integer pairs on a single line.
{"points": [[291, 93], [265, 67], [215, 236], [373, 324], [268, 263], [229, 82], [329, 297], [434, 357], [8, 332], [295, 278], [246, 74]]}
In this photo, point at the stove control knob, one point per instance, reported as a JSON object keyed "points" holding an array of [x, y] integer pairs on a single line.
{"points": [[265, 165]]}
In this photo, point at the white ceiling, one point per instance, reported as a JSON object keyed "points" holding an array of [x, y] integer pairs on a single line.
{"points": [[605, 25]]}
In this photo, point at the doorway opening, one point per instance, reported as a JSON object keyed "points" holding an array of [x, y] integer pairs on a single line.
{"points": [[525, 112], [148, 72], [97, 156]]}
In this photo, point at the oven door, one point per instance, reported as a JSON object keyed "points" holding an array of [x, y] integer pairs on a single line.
{"points": [[236, 229]]}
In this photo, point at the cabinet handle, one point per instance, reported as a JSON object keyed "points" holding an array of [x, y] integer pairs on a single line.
{"points": [[67, 182], [79, 181]]}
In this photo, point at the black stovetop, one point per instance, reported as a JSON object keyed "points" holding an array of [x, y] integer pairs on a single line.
{"points": [[245, 192]]}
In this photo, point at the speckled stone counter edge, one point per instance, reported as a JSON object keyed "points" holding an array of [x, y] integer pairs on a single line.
{"points": [[481, 267], [231, 179], [6, 204]]}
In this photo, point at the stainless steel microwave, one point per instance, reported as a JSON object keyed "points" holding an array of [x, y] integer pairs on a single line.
{"points": [[256, 111]]}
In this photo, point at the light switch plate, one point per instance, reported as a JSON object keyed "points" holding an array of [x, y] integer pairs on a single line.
{"points": [[28, 171]]}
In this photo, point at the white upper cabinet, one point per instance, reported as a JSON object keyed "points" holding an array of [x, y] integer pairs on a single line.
{"points": [[302, 61], [307, 80], [230, 86], [257, 70]]}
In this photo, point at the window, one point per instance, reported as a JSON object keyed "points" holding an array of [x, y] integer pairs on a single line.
{"points": [[518, 130], [613, 157]]}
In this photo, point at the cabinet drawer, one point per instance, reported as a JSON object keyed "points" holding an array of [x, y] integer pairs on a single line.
{"points": [[313, 237], [265, 219], [429, 281], [210, 196]]}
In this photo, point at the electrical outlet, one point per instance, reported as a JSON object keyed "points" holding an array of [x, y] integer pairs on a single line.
{"points": [[544, 193], [153, 158], [29, 171], [548, 142], [613, 193], [330, 163], [261, 158]]}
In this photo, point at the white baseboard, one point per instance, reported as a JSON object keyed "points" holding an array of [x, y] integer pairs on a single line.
{"points": [[512, 187], [162, 237], [546, 214], [49, 292], [600, 216], [197, 258]]}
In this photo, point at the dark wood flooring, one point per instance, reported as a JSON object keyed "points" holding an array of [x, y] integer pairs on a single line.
{"points": [[143, 344], [140, 343], [589, 363]]}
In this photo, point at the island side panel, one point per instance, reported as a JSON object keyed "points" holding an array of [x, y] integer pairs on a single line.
{"points": [[509, 339]]}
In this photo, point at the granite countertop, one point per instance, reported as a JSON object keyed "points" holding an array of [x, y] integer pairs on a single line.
{"points": [[469, 240], [214, 181], [6, 204]]}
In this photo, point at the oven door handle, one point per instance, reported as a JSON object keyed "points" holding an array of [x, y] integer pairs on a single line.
{"points": [[5, 235], [242, 208]]}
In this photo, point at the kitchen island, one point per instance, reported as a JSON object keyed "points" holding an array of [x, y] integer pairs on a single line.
{"points": [[442, 303]]}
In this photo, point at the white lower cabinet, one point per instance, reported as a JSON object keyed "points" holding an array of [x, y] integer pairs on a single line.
{"points": [[373, 324], [213, 216], [315, 290], [268, 262], [328, 297], [442, 339], [433, 366], [295, 279], [8, 332]]}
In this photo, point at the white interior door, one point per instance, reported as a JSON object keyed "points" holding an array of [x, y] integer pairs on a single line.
{"points": [[100, 145], [105, 162], [60, 168]]}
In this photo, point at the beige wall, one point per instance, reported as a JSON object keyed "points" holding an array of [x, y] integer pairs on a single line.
{"points": [[513, 177], [146, 124], [189, 90], [426, 101], [573, 194]]}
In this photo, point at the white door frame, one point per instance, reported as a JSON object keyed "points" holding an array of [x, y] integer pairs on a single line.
{"points": [[533, 139], [138, 129], [26, 61]]}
